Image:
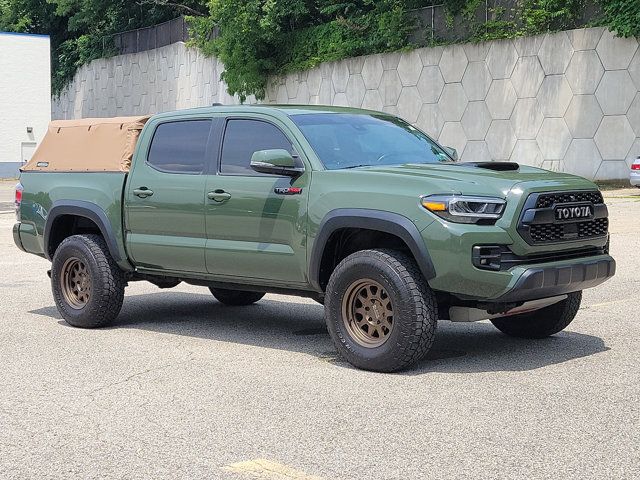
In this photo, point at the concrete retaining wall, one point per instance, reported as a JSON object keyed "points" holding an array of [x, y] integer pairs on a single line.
{"points": [[566, 101], [167, 78]]}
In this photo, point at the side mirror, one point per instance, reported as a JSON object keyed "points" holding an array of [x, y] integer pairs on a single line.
{"points": [[453, 153], [275, 162]]}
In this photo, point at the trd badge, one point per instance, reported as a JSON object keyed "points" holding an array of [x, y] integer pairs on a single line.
{"points": [[288, 191]]}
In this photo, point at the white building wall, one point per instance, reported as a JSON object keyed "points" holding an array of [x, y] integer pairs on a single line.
{"points": [[25, 97]]}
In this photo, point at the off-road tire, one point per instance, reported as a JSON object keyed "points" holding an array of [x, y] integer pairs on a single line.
{"points": [[107, 281], [541, 323], [415, 310], [236, 298]]}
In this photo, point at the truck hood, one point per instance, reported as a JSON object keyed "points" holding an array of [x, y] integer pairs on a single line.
{"points": [[479, 179]]}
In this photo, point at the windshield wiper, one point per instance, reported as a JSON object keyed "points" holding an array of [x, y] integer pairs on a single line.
{"points": [[356, 166]]}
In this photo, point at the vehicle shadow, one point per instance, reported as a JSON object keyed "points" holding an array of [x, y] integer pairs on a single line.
{"points": [[299, 327]]}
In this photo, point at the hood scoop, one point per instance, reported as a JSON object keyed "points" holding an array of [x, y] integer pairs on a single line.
{"points": [[495, 166]]}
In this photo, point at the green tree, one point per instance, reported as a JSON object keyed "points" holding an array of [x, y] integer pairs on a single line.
{"points": [[259, 38], [81, 30], [622, 17]]}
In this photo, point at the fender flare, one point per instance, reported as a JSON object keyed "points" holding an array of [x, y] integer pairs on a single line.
{"points": [[84, 209], [379, 220]]}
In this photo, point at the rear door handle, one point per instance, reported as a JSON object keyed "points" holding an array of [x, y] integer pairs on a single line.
{"points": [[218, 196], [142, 192]]}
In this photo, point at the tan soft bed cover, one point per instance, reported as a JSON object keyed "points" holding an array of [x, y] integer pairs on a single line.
{"points": [[88, 145]]}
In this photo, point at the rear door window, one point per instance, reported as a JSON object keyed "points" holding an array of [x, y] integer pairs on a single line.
{"points": [[180, 147]]}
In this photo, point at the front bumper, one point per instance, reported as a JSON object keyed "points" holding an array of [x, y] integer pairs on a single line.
{"points": [[451, 249], [549, 281], [525, 271]]}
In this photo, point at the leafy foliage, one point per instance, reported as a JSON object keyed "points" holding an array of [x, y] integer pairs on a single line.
{"points": [[260, 38], [457, 7], [622, 17], [549, 15], [81, 30], [526, 17]]}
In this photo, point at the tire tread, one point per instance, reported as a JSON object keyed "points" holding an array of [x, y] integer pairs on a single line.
{"points": [[419, 333], [236, 298], [541, 323], [107, 301]]}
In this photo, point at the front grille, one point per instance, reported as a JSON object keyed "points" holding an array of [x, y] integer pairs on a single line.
{"points": [[547, 200], [594, 228], [552, 232], [547, 232], [538, 224]]}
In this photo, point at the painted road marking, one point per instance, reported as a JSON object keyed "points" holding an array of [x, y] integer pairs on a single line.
{"points": [[268, 470], [606, 304]]}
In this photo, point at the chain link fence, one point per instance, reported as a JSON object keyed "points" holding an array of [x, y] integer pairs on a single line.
{"points": [[148, 38], [432, 24]]}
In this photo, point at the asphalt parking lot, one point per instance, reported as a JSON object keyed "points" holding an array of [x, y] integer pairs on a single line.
{"points": [[182, 387]]}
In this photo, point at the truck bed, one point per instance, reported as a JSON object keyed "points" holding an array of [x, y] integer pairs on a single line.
{"points": [[45, 191]]}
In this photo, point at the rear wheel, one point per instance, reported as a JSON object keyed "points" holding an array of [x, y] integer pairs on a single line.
{"points": [[87, 284], [380, 312], [236, 298], [541, 323]]}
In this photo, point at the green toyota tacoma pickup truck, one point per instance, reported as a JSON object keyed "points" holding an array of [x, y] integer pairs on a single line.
{"points": [[356, 209]]}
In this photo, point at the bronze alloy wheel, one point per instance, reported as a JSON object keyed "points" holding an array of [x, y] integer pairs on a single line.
{"points": [[88, 286], [367, 313], [76, 283], [380, 312]]}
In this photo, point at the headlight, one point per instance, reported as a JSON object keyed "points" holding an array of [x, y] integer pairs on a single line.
{"points": [[464, 209]]}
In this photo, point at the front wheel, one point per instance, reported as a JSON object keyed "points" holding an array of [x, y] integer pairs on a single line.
{"points": [[541, 323], [87, 284], [380, 312], [236, 298]]}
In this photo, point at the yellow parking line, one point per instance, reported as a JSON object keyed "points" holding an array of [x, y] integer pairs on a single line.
{"points": [[268, 470], [606, 304]]}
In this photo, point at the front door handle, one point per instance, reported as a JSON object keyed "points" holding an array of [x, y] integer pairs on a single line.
{"points": [[218, 196], [142, 192]]}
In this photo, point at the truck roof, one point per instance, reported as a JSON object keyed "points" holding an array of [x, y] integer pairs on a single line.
{"points": [[287, 110]]}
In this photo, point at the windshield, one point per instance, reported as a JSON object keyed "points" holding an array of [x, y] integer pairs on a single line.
{"points": [[344, 140]]}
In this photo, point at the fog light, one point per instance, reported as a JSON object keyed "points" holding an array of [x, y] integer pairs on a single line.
{"points": [[487, 257]]}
